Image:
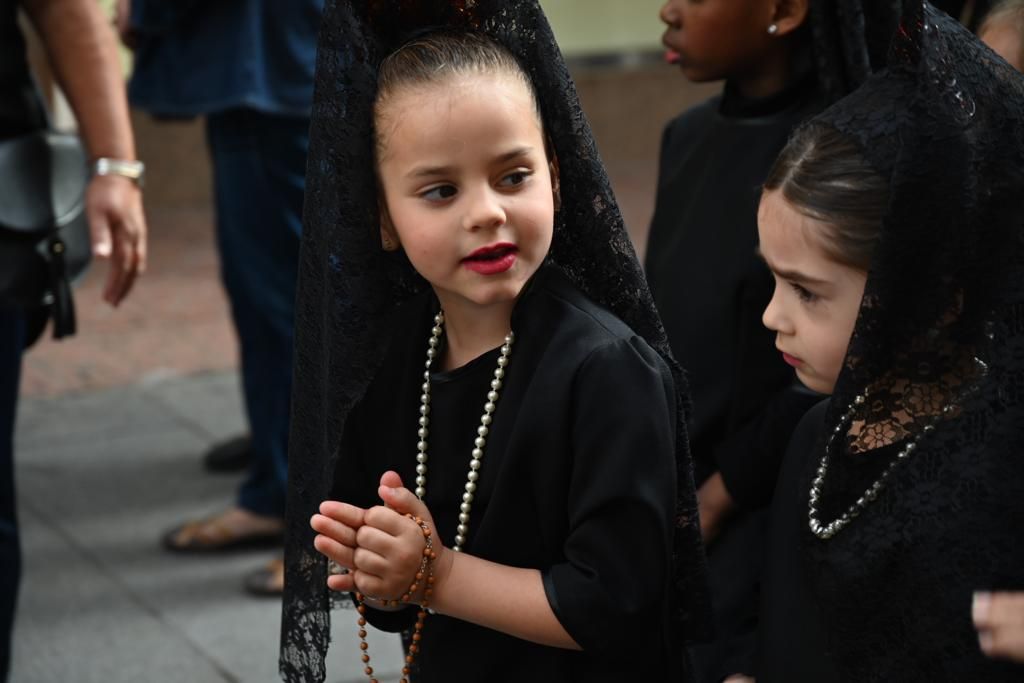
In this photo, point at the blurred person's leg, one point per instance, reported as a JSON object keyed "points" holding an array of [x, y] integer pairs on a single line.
{"points": [[231, 455], [11, 342], [259, 166]]}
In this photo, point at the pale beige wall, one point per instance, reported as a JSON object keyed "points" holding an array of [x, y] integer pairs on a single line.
{"points": [[600, 26]]}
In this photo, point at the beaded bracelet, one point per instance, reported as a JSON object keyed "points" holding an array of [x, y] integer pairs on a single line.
{"points": [[425, 572]]}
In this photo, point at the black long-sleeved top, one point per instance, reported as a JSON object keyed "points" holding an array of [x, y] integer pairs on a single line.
{"points": [[791, 643], [888, 598], [578, 481], [711, 288]]}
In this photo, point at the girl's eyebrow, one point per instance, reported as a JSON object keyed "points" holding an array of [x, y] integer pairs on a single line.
{"points": [[431, 171], [513, 154], [791, 275], [796, 276]]}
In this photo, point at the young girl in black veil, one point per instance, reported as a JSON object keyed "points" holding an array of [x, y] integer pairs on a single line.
{"points": [[782, 61], [510, 452], [894, 226]]}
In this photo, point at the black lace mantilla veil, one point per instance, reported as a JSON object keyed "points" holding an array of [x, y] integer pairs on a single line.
{"points": [[851, 40], [938, 354], [348, 287]]}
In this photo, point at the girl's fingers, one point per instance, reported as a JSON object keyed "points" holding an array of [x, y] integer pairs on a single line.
{"points": [[368, 562], [990, 610], [377, 541], [334, 529], [981, 608], [389, 521], [391, 479], [403, 553], [343, 512], [1007, 609], [1006, 643], [402, 500], [343, 583], [999, 618], [333, 550]]}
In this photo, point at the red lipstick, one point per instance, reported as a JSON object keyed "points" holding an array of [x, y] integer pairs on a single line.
{"points": [[492, 259], [792, 360]]}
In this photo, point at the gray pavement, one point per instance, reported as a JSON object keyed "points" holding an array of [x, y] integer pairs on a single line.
{"points": [[100, 476]]}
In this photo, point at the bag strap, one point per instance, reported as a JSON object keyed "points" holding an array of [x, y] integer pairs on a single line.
{"points": [[63, 305]]}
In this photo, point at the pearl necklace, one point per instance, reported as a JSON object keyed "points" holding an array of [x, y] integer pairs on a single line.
{"points": [[482, 431], [827, 531]]}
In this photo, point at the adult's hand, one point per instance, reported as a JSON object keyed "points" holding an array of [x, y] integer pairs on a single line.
{"points": [[83, 53], [113, 205]]}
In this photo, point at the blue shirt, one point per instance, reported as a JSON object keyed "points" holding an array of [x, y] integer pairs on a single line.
{"points": [[196, 57]]}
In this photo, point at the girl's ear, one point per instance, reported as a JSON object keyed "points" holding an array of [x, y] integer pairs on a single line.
{"points": [[388, 235], [789, 16], [556, 183]]}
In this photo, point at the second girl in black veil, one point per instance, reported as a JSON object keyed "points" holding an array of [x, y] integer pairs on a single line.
{"points": [[894, 225], [782, 62], [466, 361]]}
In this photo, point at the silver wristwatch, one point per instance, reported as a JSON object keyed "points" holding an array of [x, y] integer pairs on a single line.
{"points": [[134, 171]]}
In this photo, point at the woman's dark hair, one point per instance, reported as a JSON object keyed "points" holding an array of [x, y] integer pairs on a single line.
{"points": [[824, 175], [437, 56]]}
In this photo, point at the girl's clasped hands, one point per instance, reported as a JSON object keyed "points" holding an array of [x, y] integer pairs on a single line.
{"points": [[382, 547]]}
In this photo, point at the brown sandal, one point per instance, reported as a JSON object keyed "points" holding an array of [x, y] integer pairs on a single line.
{"points": [[267, 582], [212, 535]]}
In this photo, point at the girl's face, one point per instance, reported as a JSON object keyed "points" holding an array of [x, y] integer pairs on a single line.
{"points": [[816, 299], [715, 39], [468, 191]]}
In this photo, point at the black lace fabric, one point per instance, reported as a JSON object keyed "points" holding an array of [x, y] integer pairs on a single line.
{"points": [[938, 354], [348, 288], [851, 39]]}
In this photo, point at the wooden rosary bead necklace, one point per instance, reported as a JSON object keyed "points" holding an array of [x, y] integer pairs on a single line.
{"points": [[425, 572], [426, 568]]}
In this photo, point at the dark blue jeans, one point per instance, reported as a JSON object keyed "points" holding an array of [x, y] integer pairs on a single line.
{"points": [[259, 164], [12, 333]]}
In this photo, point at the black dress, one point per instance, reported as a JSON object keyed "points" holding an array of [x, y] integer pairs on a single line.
{"points": [[823, 599], [578, 481], [791, 645], [709, 283], [933, 370], [711, 287]]}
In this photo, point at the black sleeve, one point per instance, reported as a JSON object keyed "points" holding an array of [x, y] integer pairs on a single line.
{"points": [[655, 239], [750, 458], [353, 484], [612, 584]]}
